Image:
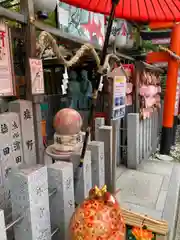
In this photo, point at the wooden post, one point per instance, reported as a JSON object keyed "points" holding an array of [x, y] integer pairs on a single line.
{"points": [[136, 84], [27, 8], [170, 96]]}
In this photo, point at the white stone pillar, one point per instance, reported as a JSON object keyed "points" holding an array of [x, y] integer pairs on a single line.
{"points": [[85, 182], [133, 140], [11, 150], [30, 199], [60, 177], [105, 135], [97, 163], [99, 122], [3, 235], [24, 109]]}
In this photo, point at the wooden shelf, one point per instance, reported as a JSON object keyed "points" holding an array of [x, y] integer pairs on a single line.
{"points": [[14, 16]]}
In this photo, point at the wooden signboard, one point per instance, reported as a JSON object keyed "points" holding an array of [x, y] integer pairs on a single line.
{"points": [[7, 80], [37, 76]]}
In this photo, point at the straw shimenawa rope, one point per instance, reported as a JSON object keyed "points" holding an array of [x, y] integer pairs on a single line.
{"points": [[172, 54], [47, 41]]}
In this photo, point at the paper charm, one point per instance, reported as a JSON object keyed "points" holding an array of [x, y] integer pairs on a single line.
{"points": [[64, 86], [101, 84]]}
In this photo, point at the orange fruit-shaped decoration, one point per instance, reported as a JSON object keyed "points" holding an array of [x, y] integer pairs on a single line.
{"points": [[98, 218]]}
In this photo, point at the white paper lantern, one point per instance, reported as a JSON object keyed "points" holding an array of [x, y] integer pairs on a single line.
{"points": [[121, 37], [130, 43], [118, 33], [44, 6], [114, 32]]}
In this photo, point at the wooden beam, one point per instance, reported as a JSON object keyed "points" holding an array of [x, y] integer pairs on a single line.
{"points": [[152, 67], [68, 39], [161, 25], [14, 16]]}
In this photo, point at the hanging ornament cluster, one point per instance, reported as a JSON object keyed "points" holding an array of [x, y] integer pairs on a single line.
{"points": [[149, 91], [64, 85], [129, 68]]}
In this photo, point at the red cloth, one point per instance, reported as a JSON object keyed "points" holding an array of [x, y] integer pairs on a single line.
{"points": [[137, 10]]}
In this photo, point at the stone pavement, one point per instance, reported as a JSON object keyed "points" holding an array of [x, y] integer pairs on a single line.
{"points": [[152, 189]]}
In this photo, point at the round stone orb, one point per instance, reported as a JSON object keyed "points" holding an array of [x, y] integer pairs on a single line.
{"points": [[67, 121]]}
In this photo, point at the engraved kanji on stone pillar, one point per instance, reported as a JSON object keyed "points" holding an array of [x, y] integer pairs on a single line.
{"points": [[11, 150], [24, 109], [85, 183], [30, 199], [60, 180]]}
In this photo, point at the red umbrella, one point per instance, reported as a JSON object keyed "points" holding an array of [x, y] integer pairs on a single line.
{"points": [[134, 10]]}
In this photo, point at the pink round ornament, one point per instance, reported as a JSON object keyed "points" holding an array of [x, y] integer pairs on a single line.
{"points": [[67, 121]]}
